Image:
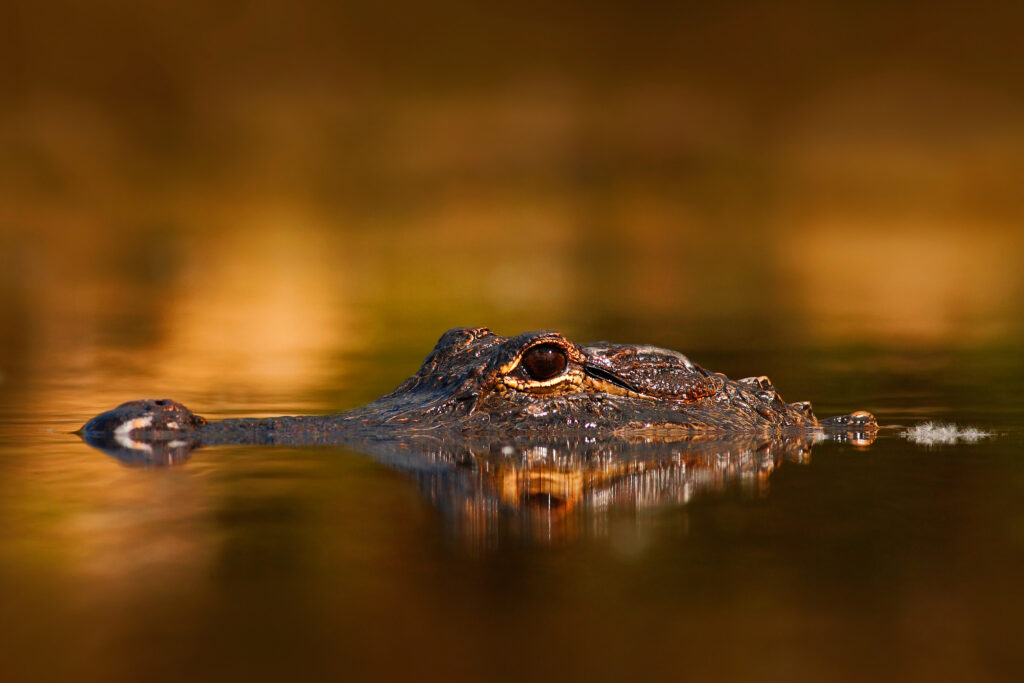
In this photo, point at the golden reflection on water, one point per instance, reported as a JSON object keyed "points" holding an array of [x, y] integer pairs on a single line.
{"points": [[265, 303], [279, 209], [839, 241], [916, 283], [283, 222]]}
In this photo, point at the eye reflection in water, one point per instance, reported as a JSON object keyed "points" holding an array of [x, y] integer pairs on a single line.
{"points": [[547, 491]]}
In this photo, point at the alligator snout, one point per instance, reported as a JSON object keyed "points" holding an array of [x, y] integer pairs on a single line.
{"points": [[153, 416]]}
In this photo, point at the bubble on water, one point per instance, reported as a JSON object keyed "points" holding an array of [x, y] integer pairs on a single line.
{"points": [[934, 433]]}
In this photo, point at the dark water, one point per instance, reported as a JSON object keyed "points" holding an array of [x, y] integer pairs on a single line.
{"points": [[888, 561]]}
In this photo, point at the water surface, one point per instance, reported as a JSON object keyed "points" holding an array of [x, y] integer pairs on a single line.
{"points": [[889, 561]]}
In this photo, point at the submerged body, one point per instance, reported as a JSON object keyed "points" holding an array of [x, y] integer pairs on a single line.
{"points": [[476, 384]]}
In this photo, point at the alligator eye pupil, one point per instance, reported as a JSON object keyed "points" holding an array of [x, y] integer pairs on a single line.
{"points": [[545, 361]]}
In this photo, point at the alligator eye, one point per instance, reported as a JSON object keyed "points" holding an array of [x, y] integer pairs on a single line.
{"points": [[545, 361]]}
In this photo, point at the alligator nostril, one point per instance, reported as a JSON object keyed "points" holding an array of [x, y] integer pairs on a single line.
{"points": [[862, 417], [163, 402]]}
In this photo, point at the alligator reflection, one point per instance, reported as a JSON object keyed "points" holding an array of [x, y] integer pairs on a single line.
{"points": [[550, 491]]}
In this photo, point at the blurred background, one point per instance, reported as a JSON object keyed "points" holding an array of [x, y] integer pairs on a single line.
{"points": [[277, 207], [258, 187]]}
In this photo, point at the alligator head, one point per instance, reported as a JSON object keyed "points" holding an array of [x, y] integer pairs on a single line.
{"points": [[479, 384], [476, 380]]}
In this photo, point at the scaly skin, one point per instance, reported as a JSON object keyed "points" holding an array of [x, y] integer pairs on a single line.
{"points": [[476, 384]]}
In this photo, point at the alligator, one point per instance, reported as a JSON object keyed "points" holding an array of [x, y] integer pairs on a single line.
{"points": [[477, 384], [533, 435]]}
